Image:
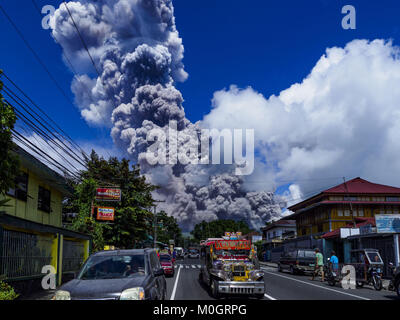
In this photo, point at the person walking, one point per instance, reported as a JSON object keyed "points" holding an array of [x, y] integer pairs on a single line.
{"points": [[319, 265]]}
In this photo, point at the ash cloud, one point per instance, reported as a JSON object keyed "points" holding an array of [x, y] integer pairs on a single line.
{"points": [[138, 52]]}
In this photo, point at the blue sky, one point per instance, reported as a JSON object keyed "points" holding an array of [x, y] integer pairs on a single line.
{"points": [[267, 45]]}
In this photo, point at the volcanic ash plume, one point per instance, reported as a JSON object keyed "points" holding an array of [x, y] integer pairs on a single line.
{"points": [[138, 54]]}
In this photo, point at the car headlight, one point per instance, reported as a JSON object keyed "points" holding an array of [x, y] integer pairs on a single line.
{"points": [[62, 295], [249, 266], [133, 294]]}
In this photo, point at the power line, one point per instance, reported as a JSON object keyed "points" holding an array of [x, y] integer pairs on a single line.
{"points": [[64, 135], [40, 131], [82, 40], [41, 153], [35, 55]]}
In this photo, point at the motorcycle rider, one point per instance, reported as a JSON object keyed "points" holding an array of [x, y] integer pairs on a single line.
{"points": [[334, 262]]}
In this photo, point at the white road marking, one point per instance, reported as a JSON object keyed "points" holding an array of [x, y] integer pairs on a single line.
{"points": [[198, 266], [193, 266], [314, 285], [269, 297], [175, 284], [187, 266]]}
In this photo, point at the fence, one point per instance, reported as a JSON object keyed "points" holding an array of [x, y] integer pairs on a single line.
{"points": [[24, 254], [73, 255]]}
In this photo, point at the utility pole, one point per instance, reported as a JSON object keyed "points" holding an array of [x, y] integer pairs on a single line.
{"points": [[351, 212], [155, 223], [155, 228]]}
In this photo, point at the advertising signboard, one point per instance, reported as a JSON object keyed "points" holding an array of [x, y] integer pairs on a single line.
{"points": [[108, 194], [105, 213], [387, 223]]}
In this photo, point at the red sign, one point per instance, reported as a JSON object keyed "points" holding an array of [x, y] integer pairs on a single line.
{"points": [[105, 213], [108, 194]]}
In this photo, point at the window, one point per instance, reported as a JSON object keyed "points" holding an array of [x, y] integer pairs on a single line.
{"points": [[392, 199], [320, 228], [21, 187], [347, 212], [361, 212], [44, 199], [340, 212]]}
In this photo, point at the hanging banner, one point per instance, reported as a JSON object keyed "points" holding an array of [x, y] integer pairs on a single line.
{"points": [[108, 194], [105, 213]]}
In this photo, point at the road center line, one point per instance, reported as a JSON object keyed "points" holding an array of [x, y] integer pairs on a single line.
{"points": [[269, 297], [314, 285], [175, 284]]}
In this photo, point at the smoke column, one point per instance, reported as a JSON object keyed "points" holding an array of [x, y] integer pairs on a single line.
{"points": [[138, 52]]}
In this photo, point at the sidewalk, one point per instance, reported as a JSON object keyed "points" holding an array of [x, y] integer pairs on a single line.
{"points": [[268, 264], [40, 295]]}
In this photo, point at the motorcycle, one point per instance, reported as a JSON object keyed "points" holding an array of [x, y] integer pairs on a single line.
{"points": [[330, 274], [369, 268], [394, 284]]}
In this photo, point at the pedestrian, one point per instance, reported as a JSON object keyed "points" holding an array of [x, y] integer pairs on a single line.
{"points": [[334, 261], [319, 265]]}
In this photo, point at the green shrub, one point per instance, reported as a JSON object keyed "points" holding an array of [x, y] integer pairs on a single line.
{"points": [[7, 292]]}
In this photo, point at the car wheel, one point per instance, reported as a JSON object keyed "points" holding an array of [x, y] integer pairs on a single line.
{"points": [[359, 284], [292, 271], [214, 289]]}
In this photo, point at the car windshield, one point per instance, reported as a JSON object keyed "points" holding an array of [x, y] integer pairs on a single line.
{"points": [[113, 267], [306, 254], [165, 258], [193, 251]]}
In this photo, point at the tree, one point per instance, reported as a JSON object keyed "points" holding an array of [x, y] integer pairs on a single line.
{"points": [[9, 163], [168, 229], [217, 228], [133, 216]]}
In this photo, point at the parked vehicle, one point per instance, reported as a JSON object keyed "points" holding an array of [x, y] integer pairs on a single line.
{"points": [[229, 268], [167, 264], [368, 264], [117, 275], [395, 281], [298, 260], [179, 253], [193, 254]]}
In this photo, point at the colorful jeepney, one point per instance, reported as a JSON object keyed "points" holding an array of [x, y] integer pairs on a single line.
{"points": [[230, 267]]}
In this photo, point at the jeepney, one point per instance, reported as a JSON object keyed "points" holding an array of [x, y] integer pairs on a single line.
{"points": [[230, 267]]}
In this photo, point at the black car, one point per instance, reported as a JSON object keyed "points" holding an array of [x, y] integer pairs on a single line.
{"points": [[117, 275], [299, 260]]}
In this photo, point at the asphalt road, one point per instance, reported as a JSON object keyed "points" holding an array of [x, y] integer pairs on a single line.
{"points": [[185, 285]]}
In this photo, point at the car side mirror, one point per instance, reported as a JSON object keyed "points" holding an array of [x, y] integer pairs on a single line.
{"points": [[159, 272]]}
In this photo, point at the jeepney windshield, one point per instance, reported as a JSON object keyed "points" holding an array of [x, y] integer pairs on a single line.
{"points": [[241, 252]]}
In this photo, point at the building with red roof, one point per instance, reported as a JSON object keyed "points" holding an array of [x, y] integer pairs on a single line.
{"points": [[340, 205]]}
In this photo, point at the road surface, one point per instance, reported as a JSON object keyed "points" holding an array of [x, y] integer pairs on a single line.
{"points": [[185, 285]]}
